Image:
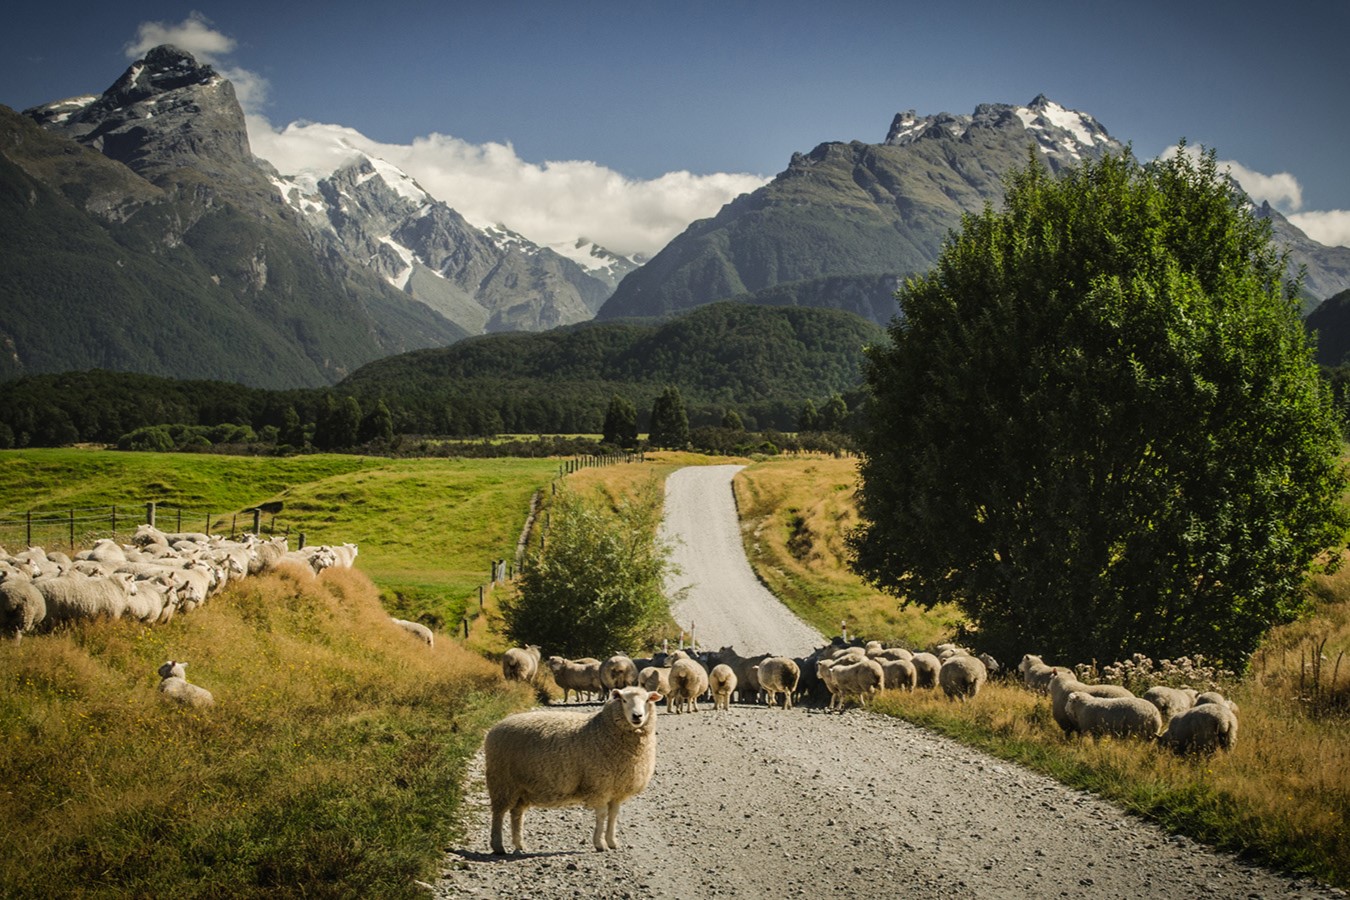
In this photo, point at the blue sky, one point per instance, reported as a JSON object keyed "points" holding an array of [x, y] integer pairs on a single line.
{"points": [[656, 113]]}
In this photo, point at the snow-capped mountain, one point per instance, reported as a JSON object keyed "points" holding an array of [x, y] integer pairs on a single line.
{"points": [[489, 279]]}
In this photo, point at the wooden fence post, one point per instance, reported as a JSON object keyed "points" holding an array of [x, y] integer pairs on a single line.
{"points": [[72, 531], [257, 521], [150, 514]]}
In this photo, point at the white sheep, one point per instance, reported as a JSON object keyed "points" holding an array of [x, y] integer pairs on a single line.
{"points": [[73, 597], [575, 675], [417, 630], [898, 674], [1116, 716], [546, 758], [1214, 697], [850, 679], [1036, 673], [1169, 700], [521, 663], [721, 681], [617, 672], [174, 684], [688, 682], [926, 669], [1201, 729], [655, 679], [778, 675], [22, 606], [961, 676], [1063, 683]]}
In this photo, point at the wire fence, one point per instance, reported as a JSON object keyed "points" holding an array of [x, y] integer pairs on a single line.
{"points": [[76, 528]]}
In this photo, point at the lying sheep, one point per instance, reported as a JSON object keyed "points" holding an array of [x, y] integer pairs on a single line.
{"points": [[417, 630], [778, 675], [721, 681], [926, 669], [174, 684], [545, 758], [962, 676], [22, 606], [1115, 716], [1036, 673], [618, 672], [575, 675], [521, 663], [1169, 700], [688, 682], [1201, 729], [1063, 683]]}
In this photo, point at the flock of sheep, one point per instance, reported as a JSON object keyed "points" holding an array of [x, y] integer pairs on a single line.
{"points": [[152, 579], [544, 758]]}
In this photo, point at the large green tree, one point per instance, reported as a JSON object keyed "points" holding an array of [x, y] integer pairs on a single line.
{"points": [[670, 421], [621, 423], [1098, 428]]}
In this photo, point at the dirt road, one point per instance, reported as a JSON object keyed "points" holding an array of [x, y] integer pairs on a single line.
{"points": [[758, 802]]}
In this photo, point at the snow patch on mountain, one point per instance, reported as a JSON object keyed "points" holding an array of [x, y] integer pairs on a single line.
{"points": [[1059, 132], [400, 280]]}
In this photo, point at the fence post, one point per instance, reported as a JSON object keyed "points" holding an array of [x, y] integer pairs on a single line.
{"points": [[114, 522], [480, 596], [180, 519], [466, 628], [150, 514], [72, 531], [234, 525], [257, 521], [29, 517]]}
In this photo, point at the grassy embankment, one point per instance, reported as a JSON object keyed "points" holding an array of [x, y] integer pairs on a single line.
{"points": [[1283, 795], [331, 762]]}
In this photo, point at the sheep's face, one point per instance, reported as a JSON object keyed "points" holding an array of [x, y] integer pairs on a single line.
{"points": [[636, 705]]}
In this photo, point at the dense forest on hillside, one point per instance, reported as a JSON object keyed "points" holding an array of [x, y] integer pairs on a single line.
{"points": [[767, 366]]}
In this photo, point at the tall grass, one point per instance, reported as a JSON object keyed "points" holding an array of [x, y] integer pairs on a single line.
{"points": [[795, 513], [330, 764]]}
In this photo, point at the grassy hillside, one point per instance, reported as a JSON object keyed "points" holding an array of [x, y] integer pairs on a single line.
{"points": [[427, 529]]}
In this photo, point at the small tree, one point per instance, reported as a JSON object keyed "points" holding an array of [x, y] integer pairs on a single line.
{"points": [[621, 423], [808, 419], [835, 415], [731, 420], [378, 425], [1098, 428], [596, 587], [670, 421]]}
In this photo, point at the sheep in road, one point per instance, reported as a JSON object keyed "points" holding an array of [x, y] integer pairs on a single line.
{"points": [[575, 675], [721, 681], [618, 672], [655, 679], [778, 675], [688, 682], [851, 679], [899, 673], [546, 758]]}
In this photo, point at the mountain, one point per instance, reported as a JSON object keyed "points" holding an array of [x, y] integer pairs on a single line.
{"points": [[374, 214], [847, 222], [142, 235], [1329, 323]]}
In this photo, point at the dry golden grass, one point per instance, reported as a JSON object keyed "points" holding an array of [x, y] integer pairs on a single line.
{"points": [[330, 762], [795, 513]]}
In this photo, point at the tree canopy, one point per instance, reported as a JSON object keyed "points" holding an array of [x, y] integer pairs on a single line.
{"points": [[1098, 427]]}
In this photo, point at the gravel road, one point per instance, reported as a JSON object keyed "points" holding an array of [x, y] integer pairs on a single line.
{"points": [[758, 802]]}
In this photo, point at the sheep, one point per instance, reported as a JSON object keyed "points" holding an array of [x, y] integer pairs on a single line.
{"points": [[688, 682], [71, 597], [961, 677], [174, 685], [1170, 701], [1201, 729], [778, 675], [722, 681], [417, 630], [521, 663], [898, 673], [747, 682], [575, 675], [1116, 716], [991, 665], [543, 758], [617, 672], [22, 606], [655, 679], [894, 653], [926, 669], [845, 679], [1036, 673], [1214, 697], [1063, 683], [154, 602]]}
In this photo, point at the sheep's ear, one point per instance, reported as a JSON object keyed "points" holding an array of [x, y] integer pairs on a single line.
{"points": [[655, 697], [614, 695]]}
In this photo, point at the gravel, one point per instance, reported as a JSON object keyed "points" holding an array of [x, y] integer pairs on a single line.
{"points": [[759, 802]]}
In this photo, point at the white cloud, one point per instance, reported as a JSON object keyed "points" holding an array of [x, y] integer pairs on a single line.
{"points": [[1331, 228], [194, 34], [489, 183]]}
